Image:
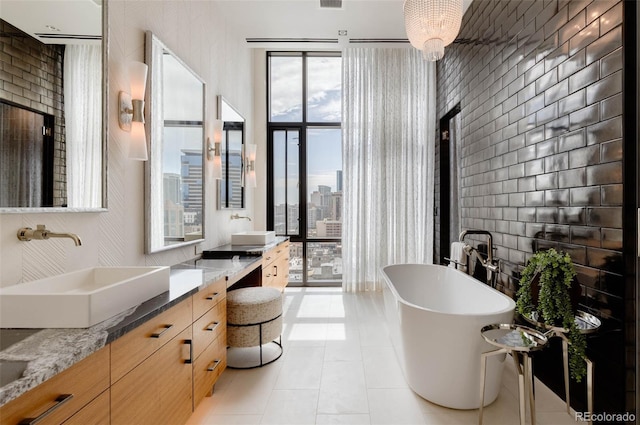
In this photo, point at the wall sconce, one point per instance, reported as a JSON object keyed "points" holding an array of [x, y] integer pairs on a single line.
{"points": [[214, 151], [131, 111], [250, 165]]}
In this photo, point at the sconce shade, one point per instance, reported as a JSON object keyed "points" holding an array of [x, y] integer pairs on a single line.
{"points": [[432, 24], [138, 79], [250, 158], [131, 111], [217, 131], [251, 179], [250, 151], [217, 166], [138, 142]]}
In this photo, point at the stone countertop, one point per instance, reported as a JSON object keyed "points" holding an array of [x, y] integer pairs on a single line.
{"points": [[51, 351], [229, 251]]}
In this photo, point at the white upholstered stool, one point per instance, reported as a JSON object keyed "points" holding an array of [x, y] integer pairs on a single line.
{"points": [[254, 319]]}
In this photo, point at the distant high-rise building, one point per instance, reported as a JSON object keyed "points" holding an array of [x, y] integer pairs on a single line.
{"points": [[338, 180], [191, 173], [325, 190], [329, 228], [335, 206], [171, 186]]}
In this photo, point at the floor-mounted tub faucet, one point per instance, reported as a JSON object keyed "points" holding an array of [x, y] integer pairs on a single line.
{"points": [[41, 233], [488, 263]]}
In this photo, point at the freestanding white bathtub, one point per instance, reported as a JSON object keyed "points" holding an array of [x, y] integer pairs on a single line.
{"points": [[435, 314]]}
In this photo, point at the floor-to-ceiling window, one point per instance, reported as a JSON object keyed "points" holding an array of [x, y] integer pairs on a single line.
{"points": [[305, 162]]}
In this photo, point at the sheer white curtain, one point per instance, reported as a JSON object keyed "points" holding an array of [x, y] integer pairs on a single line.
{"points": [[83, 124], [388, 162]]}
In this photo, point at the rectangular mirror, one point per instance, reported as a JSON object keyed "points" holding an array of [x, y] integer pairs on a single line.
{"points": [[53, 106], [174, 187], [230, 186]]}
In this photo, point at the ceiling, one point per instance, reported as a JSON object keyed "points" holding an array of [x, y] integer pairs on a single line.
{"points": [[263, 23], [56, 21], [304, 24]]}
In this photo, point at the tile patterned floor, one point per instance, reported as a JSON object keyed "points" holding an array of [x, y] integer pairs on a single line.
{"points": [[339, 367]]}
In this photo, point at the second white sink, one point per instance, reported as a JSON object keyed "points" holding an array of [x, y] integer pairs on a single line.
{"points": [[253, 237], [80, 299]]}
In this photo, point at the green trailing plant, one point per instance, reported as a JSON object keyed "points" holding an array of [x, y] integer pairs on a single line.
{"points": [[556, 274]]}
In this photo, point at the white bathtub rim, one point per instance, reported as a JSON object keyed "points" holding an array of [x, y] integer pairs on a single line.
{"points": [[511, 304]]}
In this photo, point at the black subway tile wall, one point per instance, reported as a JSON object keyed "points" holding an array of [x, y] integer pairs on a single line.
{"points": [[540, 87], [31, 76]]}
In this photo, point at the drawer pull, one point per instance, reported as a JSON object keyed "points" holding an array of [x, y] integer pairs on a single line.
{"points": [[213, 365], [190, 343], [276, 270], [212, 296], [212, 326], [159, 334], [60, 400]]}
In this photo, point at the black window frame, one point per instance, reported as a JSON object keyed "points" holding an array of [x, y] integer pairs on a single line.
{"points": [[302, 127]]}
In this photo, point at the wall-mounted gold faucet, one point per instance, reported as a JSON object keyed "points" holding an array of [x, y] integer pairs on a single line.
{"points": [[27, 233], [237, 217]]}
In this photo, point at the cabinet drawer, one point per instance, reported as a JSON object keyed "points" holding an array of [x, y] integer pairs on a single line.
{"points": [[157, 391], [209, 327], [208, 297], [208, 367], [267, 275], [282, 249], [269, 257], [94, 413], [83, 381], [132, 348], [281, 267]]}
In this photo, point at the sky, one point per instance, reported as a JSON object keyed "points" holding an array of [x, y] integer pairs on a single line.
{"points": [[324, 104]]}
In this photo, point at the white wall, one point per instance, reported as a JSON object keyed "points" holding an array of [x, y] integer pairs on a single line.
{"points": [[199, 35]]}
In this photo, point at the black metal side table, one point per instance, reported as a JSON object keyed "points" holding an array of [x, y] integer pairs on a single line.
{"points": [[518, 341]]}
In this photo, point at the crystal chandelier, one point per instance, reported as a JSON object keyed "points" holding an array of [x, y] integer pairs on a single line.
{"points": [[432, 24]]}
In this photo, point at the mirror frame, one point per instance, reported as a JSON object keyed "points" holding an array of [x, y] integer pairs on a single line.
{"points": [[150, 189], [219, 204], [105, 135]]}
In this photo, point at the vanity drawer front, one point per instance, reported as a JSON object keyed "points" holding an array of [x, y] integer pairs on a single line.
{"points": [[131, 349], [209, 327], [267, 275], [282, 270], [84, 381], [282, 249], [94, 413], [269, 256], [208, 367], [208, 297]]}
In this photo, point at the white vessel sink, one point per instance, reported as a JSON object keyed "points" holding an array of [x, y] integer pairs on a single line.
{"points": [[254, 237], [79, 299]]}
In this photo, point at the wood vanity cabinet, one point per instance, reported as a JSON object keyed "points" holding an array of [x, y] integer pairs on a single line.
{"points": [[65, 395], [155, 374], [209, 338], [95, 413], [151, 370], [275, 267]]}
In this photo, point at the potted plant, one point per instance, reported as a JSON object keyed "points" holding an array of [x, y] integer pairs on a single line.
{"points": [[553, 272]]}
